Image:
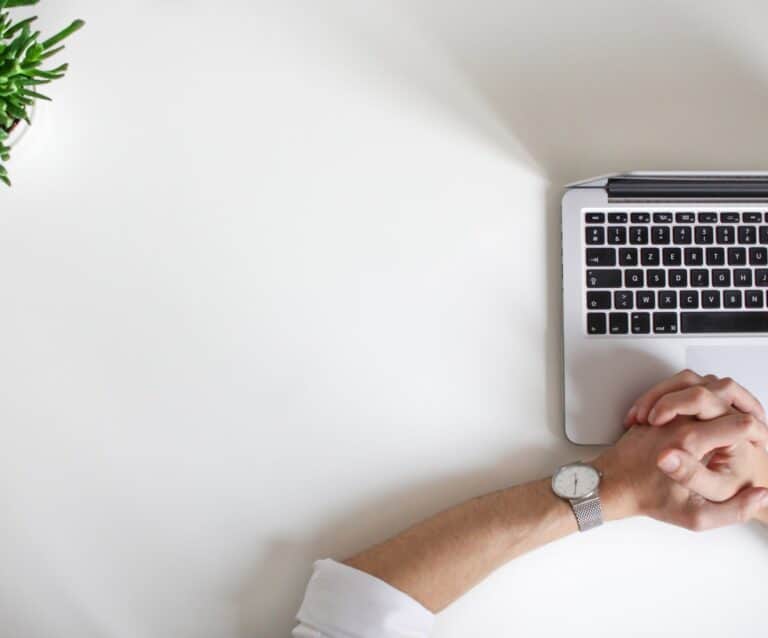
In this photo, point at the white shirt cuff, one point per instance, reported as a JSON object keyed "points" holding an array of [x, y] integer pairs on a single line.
{"points": [[343, 602]]}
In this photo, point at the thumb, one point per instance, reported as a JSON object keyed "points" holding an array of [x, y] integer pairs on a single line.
{"points": [[688, 471], [739, 509]]}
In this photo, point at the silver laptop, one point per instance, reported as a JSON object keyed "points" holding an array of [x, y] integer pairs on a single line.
{"points": [[661, 271]]}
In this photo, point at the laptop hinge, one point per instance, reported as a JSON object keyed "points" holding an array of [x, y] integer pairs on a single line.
{"points": [[728, 188]]}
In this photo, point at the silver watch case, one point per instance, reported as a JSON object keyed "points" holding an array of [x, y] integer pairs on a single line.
{"points": [[585, 496]]}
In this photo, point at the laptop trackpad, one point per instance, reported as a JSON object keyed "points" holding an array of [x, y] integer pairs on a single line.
{"points": [[745, 364]]}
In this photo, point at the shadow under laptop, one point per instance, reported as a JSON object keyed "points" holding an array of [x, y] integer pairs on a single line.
{"points": [[596, 87]]}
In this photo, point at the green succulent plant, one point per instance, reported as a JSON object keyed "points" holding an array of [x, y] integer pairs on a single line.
{"points": [[22, 56]]}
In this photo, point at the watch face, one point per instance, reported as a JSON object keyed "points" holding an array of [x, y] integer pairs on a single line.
{"points": [[575, 481]]}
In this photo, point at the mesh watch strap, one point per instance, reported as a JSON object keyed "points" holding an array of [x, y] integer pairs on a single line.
{"points": [[588, 512]]}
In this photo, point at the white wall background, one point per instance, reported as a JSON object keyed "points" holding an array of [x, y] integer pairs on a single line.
{"points": [[280, 278]]}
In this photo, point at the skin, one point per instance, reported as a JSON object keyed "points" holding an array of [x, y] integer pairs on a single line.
{"points": [[690, 398], [441, 558]]}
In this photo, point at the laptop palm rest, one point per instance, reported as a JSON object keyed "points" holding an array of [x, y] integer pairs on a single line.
{"points": [[745, 364]]}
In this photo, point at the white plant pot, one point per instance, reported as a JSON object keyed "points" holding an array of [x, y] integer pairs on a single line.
{"points": [[20, 130]]}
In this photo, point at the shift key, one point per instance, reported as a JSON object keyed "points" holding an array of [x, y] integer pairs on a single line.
{"points": [[603, 279]]}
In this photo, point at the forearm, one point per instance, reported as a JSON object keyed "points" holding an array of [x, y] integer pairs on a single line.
{"points": [[439, 559]]}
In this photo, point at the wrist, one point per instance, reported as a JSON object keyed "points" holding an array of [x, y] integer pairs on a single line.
{"points": [[617, 495]]}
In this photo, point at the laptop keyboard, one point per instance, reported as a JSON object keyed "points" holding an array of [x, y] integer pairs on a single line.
{"points": [[671, 272]]}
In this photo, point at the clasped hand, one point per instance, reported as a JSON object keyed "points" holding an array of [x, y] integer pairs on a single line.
{"points": [[707, 438]]}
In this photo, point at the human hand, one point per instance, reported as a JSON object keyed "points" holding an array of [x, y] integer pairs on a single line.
{"points": [[678, 395], [726, 469], [634, 485]]}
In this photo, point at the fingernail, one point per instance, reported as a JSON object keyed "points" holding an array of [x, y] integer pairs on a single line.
{"points": [[764, 500], [652, 415], [630, 415], [670, 462]]}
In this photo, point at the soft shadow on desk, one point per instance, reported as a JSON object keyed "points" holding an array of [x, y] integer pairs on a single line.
{"points": [[595, 87], [272, 591]]}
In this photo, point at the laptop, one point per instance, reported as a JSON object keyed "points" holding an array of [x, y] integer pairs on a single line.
{"points": [[661, 272]]}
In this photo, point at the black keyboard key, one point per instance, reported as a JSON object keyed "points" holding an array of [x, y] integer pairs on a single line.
{"points": [[645, 299], [710, 298], [617, 234], [622, 300], [641, 323], [747, 234], [596, 323], [752, 218], [685, 218], [604, 279], [601, 256], [761, 276], [627, 256], [682, 235], [662, 218], [758, 256], [671, 256], [721, 277], [704, 322], [619, 323], [599, 300], [678, 278], [715, 256], [633, 278], [640, 218], [667, 299], [732, 299], [660, 235], [725, 234], [764, 233], [655, 278], [594, 218], [617, 218], [707, 218], [754, 298], [703, 234], [729, 218], [649, 256], [595, 235], [638, 235], [689, 299], [737, 256], [699, 277], [665, 322], [742, 277], [693, 256]]}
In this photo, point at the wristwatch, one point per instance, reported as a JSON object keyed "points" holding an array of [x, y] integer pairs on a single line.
{"points": [[578, 484]]}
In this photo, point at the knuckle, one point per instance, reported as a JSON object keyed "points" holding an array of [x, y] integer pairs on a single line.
{"points": [[688, 376], [728, 384], [687, 438], [700, 394], [745, 422]]}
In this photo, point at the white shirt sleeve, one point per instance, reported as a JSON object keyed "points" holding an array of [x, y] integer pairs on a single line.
{"points": [[343, 602]]}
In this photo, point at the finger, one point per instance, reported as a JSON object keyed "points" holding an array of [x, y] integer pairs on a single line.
{"points": [[741, 508], [638, 413], [725, 431], [696, 401], [737, 396], [685, 469]]}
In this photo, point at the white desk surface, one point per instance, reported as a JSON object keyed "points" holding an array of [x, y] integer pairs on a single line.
{"points": [[280, 278]]}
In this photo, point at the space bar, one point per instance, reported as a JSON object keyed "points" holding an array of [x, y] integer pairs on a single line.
{"points": [[700, 322]]}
